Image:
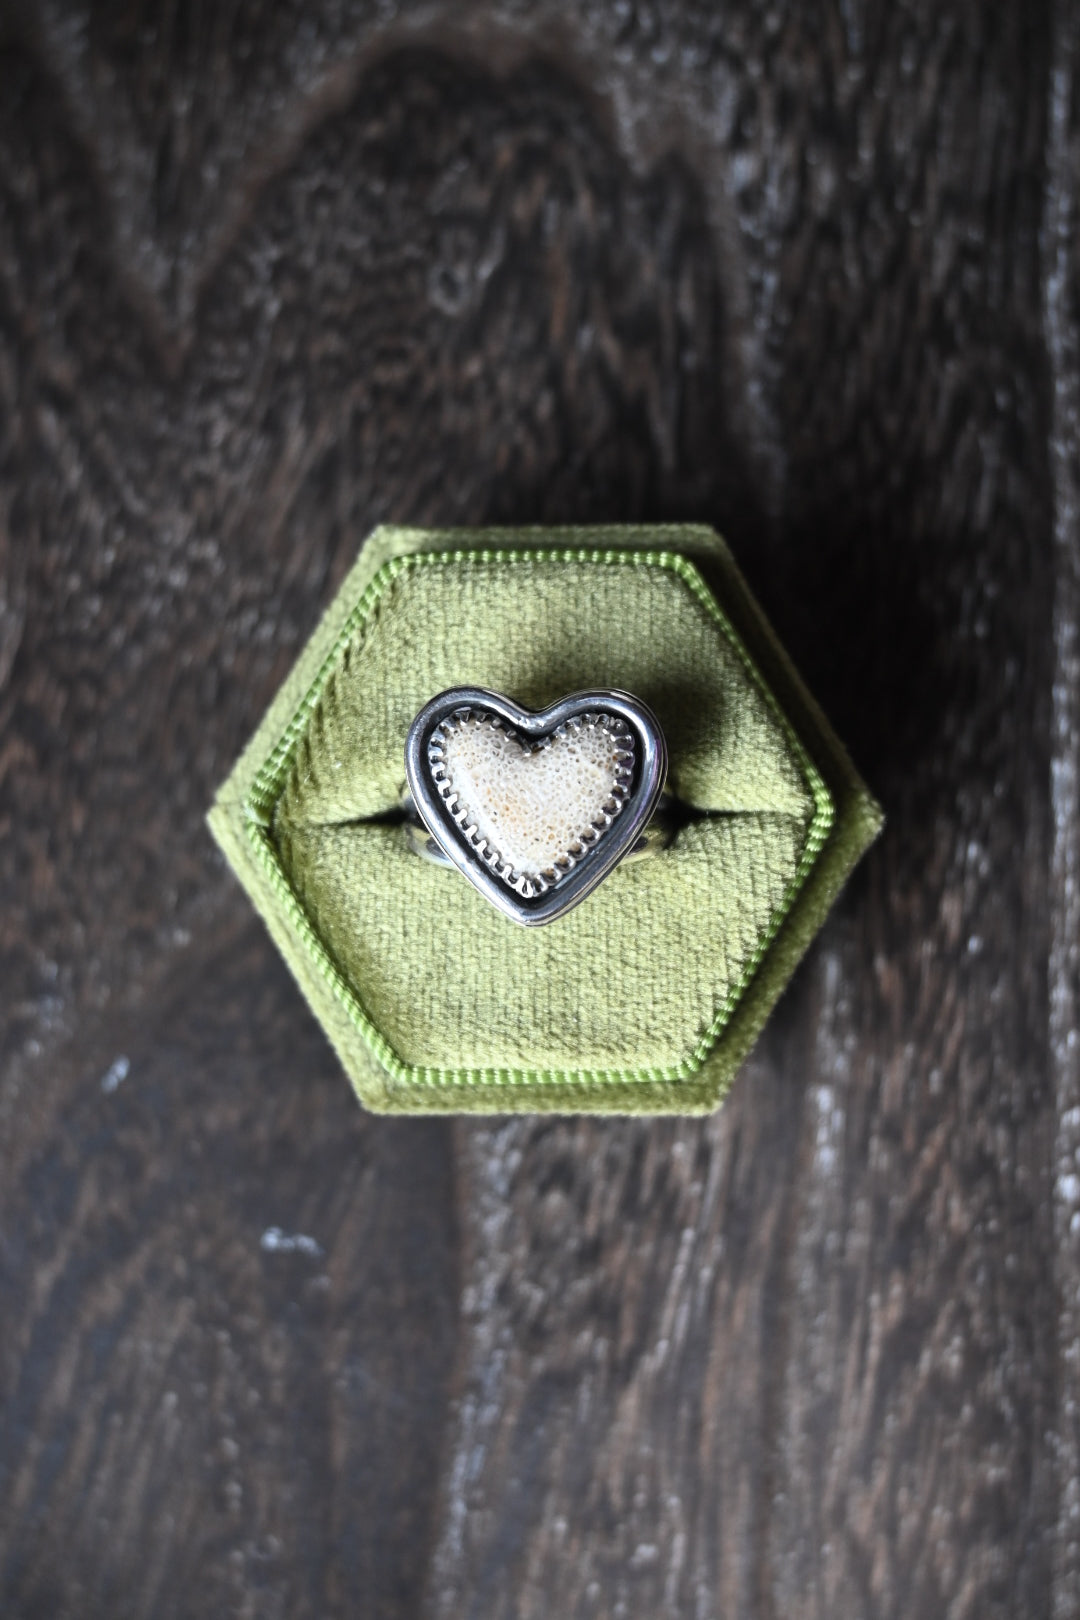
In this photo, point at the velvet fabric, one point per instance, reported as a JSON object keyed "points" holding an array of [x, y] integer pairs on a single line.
{"points": [[647, 996]]}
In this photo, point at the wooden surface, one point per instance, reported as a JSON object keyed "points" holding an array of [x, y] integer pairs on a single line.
{"points": [[269, 275]]}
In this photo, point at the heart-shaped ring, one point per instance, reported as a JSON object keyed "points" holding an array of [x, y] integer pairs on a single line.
{"points": [[535, 808]]}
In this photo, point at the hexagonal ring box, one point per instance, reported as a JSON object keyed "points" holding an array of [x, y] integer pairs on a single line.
{"points": [[647, 996]]}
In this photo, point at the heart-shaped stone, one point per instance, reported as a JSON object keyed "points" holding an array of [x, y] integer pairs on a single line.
{"points": [[532, 810], [535, 808]]}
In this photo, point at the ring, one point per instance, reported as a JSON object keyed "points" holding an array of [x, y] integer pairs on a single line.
{"points": [[536, 808], [659, 833]]}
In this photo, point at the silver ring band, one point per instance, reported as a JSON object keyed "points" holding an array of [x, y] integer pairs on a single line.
{"points": [[655, 837]]}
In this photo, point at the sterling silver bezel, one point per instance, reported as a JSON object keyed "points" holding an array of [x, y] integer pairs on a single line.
{"points": [[617, 840]]}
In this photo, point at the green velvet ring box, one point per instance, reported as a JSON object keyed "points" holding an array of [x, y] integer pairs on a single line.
{"points": [[646, 998]]}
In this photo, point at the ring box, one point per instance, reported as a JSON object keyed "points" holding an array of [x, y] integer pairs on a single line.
{"points": [[644, 999]]}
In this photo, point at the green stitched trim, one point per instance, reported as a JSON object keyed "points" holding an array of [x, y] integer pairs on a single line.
{"points": [[261, 802]]}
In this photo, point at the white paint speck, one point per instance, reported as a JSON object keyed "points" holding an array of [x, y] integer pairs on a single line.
{"points": [[275, 1241], [115, 1075], [830, 1126]]}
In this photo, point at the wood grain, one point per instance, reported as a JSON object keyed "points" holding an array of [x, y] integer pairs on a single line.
{"points": [[271, 275]]}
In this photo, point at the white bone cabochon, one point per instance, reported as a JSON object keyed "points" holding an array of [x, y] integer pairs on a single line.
{"points": [[537, 807]]}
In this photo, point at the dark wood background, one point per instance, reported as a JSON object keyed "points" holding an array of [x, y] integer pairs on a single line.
{"points": [[272, 274]]}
